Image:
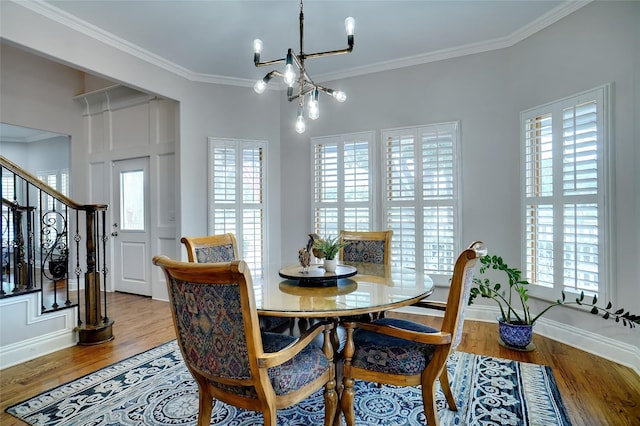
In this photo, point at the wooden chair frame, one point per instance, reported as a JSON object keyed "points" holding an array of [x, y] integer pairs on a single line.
{"points": [[267, 400], [369, 236], [442, 339], [193, 243]]}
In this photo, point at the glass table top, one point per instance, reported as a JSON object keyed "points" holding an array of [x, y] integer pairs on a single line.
{"points": [[374, 288]]}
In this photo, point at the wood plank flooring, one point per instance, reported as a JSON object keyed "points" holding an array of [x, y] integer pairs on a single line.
{"points": [[595, 391]]}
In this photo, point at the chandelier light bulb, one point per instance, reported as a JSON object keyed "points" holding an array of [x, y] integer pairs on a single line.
{"points": [[349, 25], [257, 46], [300, 125], [314, 110], [260, 86], [289, 75], [339, 96]]}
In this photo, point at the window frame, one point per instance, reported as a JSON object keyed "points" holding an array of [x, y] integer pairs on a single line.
{"points": [[418, 202], [604, 197], [377, 179], [238, 145], [341, 203]]}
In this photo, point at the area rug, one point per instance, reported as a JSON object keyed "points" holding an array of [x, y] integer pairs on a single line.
{"points": [[155, 388]]}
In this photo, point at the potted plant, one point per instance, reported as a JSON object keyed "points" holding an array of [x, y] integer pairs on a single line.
{"points": [[328, 248], [516, 320]]}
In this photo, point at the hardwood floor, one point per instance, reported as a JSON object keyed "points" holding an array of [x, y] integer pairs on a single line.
{"points": [[596, 392]]}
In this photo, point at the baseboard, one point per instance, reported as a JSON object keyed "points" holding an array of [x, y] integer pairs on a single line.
{"points": [[60, 323], [602, 346]]}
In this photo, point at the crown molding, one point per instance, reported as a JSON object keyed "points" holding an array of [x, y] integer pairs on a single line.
{"points": [[51, 12], [60, 16]]}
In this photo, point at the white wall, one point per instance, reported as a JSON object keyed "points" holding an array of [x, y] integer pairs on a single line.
{"points": [[597, 44]]}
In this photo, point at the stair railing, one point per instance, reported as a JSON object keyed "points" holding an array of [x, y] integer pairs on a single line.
{"points": [[42, 232]]}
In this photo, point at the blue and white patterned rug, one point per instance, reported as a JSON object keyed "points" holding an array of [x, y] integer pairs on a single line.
{"points": [[155, 388]]}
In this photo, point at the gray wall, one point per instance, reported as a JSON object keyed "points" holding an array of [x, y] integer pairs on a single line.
{"points": [[486, 92]]}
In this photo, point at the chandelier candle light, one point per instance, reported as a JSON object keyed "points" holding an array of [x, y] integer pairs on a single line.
{"points": [[306, 85]]}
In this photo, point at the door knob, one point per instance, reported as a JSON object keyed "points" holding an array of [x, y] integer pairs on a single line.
{"points": [[114, 234]]}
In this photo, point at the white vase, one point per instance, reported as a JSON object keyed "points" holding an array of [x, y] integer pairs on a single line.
{"points": [[330, 265]]}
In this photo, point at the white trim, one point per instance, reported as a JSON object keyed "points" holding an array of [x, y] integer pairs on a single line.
{"points": [[29, 349], [596, 344], [33, 347]]}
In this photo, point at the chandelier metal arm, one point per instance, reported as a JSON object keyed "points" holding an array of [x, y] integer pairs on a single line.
{"points": [[300, 65], [263, 64], [328, 53], [300, 58], [301, 93]]}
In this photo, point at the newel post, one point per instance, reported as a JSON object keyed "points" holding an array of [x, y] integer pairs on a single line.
{"points": [[96, 327]]}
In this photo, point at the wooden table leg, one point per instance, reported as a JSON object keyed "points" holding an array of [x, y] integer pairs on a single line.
{"points": [[346, 399]]}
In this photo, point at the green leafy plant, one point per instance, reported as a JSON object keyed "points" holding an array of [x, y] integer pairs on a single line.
{"points": [[330, 246], [513, 300]]}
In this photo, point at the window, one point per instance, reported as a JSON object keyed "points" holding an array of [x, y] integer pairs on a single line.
{"points": [[8, 187], [418, 196], [132, 199], [342, 174], [49, 209], [421, 196], [237, 173], [564, 153]]}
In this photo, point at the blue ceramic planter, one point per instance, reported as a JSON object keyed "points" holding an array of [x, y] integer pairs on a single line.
{"points": [[515, 335]]}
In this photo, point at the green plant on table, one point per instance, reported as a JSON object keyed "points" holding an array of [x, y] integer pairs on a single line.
{"points": [[515, 296], [330, 246]]}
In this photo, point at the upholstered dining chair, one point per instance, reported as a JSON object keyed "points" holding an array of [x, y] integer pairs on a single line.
{"points": [[214, 314], [366, 246], [224, 248], [211, 248], [405, 353], [373, 247]]}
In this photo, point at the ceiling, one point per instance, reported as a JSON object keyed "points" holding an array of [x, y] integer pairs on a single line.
{"points": [[11, 133], [213, 40]]}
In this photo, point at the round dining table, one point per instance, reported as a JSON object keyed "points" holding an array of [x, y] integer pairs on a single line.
{"points": [[353, 290], [372, 289]]}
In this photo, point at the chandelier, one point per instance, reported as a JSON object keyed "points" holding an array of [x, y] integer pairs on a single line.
{"points": [[306, 86]]}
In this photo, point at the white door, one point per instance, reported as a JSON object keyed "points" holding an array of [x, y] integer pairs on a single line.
{"points": [[130, 232]]}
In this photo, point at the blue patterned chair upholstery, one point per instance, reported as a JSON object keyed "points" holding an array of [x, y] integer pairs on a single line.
{"points": [[211, 248], [401, 352], [367, 247], [224, 248], [216, 324], [373, 247]]}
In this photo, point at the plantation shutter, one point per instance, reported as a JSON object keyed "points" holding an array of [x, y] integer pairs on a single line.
{"points": [[539, 191], [8, 192], [342, 183], [236, 196], [564, 150], [421, 196], [400, 195], [580, 191]]}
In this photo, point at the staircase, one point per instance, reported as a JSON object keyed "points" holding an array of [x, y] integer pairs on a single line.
{"points": [[53, 250]]}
